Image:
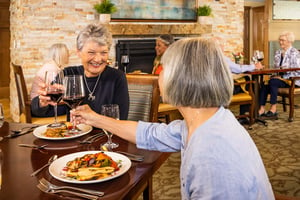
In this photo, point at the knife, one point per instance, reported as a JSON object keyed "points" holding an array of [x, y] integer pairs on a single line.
{"points": [[19, 134]]}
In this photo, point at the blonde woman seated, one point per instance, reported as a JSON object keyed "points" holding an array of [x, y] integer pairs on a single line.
{"points": [[58, 58], [219, 160]]}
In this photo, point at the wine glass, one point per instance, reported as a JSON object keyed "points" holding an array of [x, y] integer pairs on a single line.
{"points": [[125, 61], [54, 89], [73, 93], [259, 55], [110, 110]]}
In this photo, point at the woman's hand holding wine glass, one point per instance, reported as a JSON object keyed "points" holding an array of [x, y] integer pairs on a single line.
{"points": [[73, 92], [54, 89]]}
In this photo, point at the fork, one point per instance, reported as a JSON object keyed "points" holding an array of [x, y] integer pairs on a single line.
{"points": [[51, 186], [91, 138], [48, 190]]}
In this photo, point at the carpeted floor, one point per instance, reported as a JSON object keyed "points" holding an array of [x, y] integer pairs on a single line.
{"points": [[279, 145]]}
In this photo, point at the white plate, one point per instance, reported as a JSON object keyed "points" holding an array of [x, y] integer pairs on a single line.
{"points": [[84, 129], [56, 168]]}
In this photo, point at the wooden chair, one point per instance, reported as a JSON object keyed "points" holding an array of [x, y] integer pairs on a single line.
{"points": [[168, 112], [144, 97], [25, 103], [244, 99], [289, 93]]}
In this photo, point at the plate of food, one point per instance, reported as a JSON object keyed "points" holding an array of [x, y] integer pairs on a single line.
{"points": [[61, 133], [89, 167]]}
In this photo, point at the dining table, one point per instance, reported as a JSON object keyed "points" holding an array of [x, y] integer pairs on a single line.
{"points": [[18, 163], [258, 76]]}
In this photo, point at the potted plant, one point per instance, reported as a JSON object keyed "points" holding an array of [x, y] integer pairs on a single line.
{"points": [[204, 14], [105, 9]]}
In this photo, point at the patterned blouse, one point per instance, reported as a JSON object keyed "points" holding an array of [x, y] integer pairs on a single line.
{"points": [[290, 59]]}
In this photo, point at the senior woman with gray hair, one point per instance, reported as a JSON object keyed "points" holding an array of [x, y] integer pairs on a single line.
{"points": [[219, 160], [102, 84], [287, 57]]}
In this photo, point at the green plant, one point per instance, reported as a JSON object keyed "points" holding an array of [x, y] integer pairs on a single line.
{"points": [[204, 10], [105, 7]]}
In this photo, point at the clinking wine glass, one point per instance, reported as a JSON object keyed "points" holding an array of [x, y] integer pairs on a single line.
{"points": [[113, 111], [73, 93], [54, 89], [125, 62], [259, 55]]}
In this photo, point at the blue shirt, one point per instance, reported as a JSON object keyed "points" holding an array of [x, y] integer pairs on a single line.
{"points": [[220, 161], [237, 68]]}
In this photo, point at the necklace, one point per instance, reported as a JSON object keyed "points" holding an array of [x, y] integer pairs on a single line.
{"points": [[91, 96]]}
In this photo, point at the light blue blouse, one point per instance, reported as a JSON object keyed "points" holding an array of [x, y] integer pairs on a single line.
{"points": [[237, 68], [220, 161]]}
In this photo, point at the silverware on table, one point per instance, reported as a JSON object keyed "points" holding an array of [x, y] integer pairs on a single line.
{"points": [[33, 146], [55, 187], [91, 138], [51, 159], [54, 191], [23, 131], [141, 157]]}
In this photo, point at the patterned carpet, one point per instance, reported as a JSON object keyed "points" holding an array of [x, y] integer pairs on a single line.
{"points": [[279, 145]]}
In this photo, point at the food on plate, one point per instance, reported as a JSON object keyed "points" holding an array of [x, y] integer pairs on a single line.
{"points": [[60, 131], [91, 167]]}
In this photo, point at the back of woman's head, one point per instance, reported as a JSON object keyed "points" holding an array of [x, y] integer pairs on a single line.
{"points": [[59, 53], [195, 74], [95, 33]]}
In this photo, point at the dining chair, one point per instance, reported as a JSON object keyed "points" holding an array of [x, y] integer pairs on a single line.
{"points": [[289, 93], [245, 98], [144, 97], [168, 113], [25, 103]]}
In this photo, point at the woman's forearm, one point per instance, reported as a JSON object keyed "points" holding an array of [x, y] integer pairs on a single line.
{"points": [[123, 128]]}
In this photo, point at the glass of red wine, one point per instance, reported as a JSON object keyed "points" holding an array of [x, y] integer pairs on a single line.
{"points": [[125, 62], [113, 111], [73, 93], [259, 55], [54, 88]]}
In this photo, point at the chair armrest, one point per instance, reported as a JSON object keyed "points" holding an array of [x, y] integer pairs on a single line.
{"points": [[250, 83]]}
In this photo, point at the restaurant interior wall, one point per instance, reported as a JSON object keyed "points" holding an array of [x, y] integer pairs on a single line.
{"points": [[36, 24]]}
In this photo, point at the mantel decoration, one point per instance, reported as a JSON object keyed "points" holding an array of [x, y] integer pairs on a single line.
{"points": [[105, 9], [204, 14]]}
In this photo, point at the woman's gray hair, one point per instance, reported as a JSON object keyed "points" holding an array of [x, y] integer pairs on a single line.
{"points": [[289, 36], [59, 53], [96, 33], [195, 74]]}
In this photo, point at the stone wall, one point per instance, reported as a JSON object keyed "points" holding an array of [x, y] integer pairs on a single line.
{"points": [[36, 24]]}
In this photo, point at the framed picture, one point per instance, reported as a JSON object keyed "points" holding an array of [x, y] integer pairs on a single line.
{"points": [[155, 10]]}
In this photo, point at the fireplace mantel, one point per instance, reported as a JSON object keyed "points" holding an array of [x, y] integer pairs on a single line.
{"points": [[145, 29]]}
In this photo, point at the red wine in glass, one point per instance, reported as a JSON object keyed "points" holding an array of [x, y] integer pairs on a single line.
{"points": [[54, 85], [73, 102], [55, 95], [125, 62], [74, 93]]}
